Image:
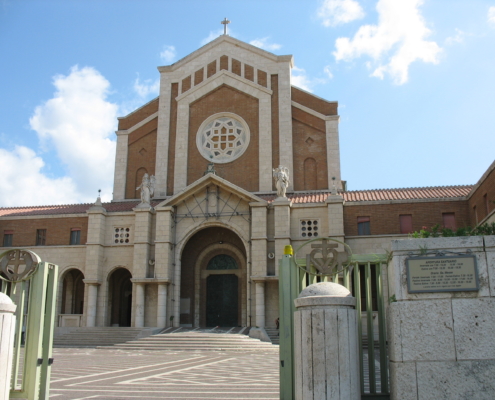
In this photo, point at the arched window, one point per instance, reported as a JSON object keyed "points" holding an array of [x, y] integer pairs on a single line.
{"points": [[222, 261]]}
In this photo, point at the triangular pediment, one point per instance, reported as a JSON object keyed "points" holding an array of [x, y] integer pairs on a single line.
{"points": [[225, 42], [203, 183]]}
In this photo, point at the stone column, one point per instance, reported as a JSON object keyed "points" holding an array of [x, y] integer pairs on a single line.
{"points": [[326, 355], [260, 303], [282, 228], [7, 333], [161, 309], [92, 290], [139, 316]]}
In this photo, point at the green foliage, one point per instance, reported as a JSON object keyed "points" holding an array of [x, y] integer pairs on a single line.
{"points": [[435, 231], [392, 299]]}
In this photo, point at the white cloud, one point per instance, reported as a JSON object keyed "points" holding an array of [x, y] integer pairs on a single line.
{"points": [[23, 183], [338, 12], [328, 72], [212, 36], [168, 54], [300, 79], [78, 121], [491, 15], [457, 38], [263, 44], [394, 43], [147, 87]]}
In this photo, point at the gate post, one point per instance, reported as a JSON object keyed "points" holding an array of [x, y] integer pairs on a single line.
{"points": [[7, 331], [325, 344]]}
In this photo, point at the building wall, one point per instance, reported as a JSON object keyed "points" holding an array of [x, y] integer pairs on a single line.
{"points": [[483, 198], [384, 218], [243, 171], [137, 116], [57, 230]]}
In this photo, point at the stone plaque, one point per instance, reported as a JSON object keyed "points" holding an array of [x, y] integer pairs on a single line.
{"points": [[442, 274]]}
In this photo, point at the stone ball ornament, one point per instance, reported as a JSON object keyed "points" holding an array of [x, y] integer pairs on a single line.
{"points": [[18, 265]]}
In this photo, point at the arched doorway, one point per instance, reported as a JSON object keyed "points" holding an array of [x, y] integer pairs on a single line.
{"points": [[222, 292], [72, 292], [213, 279], [120, 297]]}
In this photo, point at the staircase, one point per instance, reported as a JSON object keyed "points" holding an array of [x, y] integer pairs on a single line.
{"points": [[178, 339], [273, 335], [99, 336]]}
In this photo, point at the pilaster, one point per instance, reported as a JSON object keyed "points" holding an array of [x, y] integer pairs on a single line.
{"points": [[142, 240], [265, 142], [282, 228], [335, 207], [119, 180], [259, 238], [333, 152], [163, 135], [285, 118]]}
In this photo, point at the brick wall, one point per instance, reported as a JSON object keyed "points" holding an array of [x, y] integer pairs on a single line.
{"points": [[57, 230], [309, 143], [315, 103], [479, 200], [384, 218], [141, 156], [138, 115], [243, 171]]}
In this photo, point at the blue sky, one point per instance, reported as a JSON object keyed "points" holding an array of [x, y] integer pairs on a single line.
{"points": [[415, 82]]}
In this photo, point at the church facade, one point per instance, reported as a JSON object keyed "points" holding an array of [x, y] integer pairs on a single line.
{"points": [[196, 226]]}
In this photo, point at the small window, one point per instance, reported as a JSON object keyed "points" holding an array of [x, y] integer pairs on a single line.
{"points": [[40, 237], [309, 228], [122, 235], [475, 212], [405, 223], [75, 236], [8, 237], [449, 220], [364, 226]]}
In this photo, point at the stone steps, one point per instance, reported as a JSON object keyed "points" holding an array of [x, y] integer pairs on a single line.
{"points": [[198, 340], [93, 337], [273, 335]]}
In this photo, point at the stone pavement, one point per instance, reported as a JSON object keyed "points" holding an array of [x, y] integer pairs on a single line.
{"points": [[129, 374]]}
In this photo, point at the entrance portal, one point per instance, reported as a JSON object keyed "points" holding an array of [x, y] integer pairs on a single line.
{"points": [[222, 300], [120, 297]]}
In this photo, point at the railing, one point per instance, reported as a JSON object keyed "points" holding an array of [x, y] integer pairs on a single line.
{"points": [[363, 276], [34, 289]]}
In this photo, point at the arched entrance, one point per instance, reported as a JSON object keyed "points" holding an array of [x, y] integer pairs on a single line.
{"points": [[120, 297], [222, 292], [213, 280], [72, 292]]}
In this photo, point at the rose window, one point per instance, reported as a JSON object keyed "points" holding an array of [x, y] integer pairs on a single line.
{"points": [[222, 139]]}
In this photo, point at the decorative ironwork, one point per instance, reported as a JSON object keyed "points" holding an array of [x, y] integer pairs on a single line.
{"points": [[330, 261], [18, 265], [222, 261]]}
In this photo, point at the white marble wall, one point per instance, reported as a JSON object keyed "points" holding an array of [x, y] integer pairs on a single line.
{"points": [[441, 344]]}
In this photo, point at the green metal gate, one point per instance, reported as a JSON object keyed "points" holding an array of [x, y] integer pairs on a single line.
{"points": [[363, 276], [32, 286]]}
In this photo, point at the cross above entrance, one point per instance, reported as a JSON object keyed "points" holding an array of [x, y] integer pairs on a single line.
{"points": [[225, 22]]}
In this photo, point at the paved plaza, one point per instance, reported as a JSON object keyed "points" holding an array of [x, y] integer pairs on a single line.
{"points": [[79, 373]]}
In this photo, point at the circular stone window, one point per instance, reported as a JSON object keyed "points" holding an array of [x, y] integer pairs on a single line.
{"points": [[222, 138]]}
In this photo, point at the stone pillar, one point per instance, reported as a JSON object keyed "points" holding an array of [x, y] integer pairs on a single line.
{"points": [[161, 309], [282, 228], [259, 238], [285, 115], [333, 151], [335, 207], [326, 355], [7, 333], [92, 290], [119, 179], [260, 303], [139, 316]]}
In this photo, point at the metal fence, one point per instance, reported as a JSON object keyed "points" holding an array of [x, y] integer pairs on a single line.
{"points": [[363, 275], [31, 284]]}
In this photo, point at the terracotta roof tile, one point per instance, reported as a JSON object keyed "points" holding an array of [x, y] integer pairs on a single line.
{"points": [[68, 209], [434, 192]]}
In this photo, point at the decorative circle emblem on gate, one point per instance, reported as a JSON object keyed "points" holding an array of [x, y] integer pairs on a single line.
{"points": [[17, 265], [222, 138]]}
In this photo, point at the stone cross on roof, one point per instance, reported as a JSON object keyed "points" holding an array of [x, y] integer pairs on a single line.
{"points": [[225, 22]]}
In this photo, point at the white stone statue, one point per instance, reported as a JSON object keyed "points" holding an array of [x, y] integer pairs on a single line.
{"points": [[281, 176], [147, 188]]}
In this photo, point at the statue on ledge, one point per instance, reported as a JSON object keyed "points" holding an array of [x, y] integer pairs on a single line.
{"points": [[281, 176], [147, 188]]}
